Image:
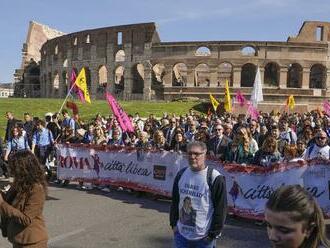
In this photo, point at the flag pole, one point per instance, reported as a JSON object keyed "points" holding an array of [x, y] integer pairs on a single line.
{"points": [[66, 98]]}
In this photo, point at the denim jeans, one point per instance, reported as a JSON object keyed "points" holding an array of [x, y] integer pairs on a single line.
{"points": [[182, 242]]}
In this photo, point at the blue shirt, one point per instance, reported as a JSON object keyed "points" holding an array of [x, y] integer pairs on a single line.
{"points": [[69, 122], [16, 144], [43, 137]]}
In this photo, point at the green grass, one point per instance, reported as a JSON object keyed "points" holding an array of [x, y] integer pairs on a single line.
{"points": [[38, 107]]}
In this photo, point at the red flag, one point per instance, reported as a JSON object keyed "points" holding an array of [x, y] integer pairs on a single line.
{"points": [[73, 107]]}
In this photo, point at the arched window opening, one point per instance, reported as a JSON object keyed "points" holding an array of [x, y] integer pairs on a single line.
{"points": [[103, 75], [158, 73], [272, 75], [203, 51], [88, 79], [56, 81], [318, 76], [248, 75], [56, 50], [294, 79], [179, 75], [138, 79], [88, 39], [75, 41], [249, 51], [225, 73], [120, 56], [202, 75], [65, 63], [119, 79], [65, 81]]}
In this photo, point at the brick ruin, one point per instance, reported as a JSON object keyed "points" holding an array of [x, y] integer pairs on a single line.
{"points": [[131, 62]]}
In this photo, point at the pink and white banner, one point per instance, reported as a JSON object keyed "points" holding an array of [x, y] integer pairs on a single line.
{"points": [[248, 187]]}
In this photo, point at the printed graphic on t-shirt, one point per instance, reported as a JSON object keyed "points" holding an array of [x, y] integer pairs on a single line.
{"points": [[187, 213]]}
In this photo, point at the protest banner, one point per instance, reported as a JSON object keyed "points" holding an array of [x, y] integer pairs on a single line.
{"points": [[248, 187]]}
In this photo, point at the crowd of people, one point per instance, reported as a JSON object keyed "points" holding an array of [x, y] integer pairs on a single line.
{"points": [[271, 138], [292, 215]]}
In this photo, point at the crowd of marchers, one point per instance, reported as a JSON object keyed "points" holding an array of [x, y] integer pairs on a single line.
{"points": [[292, 215], [271, 138]]}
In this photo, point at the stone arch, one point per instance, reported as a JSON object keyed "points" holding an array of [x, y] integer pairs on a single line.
{"points": [[225, 73], [65, 81], [318, 76], [56, 81], [203, 51], [88, 78], [158, 72], [88, 39], [103, 75], [294, 79], [120, 56], [65, 63], [138, 79], [249, 51], [202, 75], [248, 75], [272, 74], [179, 74], [119, 79]]}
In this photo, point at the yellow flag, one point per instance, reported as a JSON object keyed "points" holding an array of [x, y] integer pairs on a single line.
{"points": [[81, 83], [214, 102], [291, 102], [227, 98]]}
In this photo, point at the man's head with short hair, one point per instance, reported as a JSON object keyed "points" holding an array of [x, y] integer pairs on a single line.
{"points": [[65, 113], [27, 116], [196, 152], [9, 115], [321, 138]]}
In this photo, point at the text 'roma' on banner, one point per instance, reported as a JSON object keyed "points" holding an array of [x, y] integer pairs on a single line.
{"points": [[120, 114], [81, 82]]}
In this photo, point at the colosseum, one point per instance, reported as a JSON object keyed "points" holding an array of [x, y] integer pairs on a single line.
{"points": [[133, 63]]}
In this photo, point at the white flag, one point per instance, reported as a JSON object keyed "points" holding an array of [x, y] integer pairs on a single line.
{"points": [[256, 95]]}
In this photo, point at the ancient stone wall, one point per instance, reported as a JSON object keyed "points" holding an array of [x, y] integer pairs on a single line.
{"points": [[134, 64]]}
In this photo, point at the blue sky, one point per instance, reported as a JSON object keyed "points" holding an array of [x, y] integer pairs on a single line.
{"points": [[177, 20]]}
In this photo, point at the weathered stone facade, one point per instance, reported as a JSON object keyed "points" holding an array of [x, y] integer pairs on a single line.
{"points": [[133, 63], [26, 78]]}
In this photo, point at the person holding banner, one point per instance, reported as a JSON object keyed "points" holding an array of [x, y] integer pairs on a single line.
{"points": [[199, 202], [294, 219]]}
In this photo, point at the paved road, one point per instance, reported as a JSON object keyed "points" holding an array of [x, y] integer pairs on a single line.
{"points": [[88, 219]]}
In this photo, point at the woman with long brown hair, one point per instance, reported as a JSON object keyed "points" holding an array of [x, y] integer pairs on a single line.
{"points": [[294, 219], [21, 208]]}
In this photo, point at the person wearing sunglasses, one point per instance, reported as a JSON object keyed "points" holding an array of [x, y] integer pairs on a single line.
{"points": [[320, 149], [218, 145]]}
